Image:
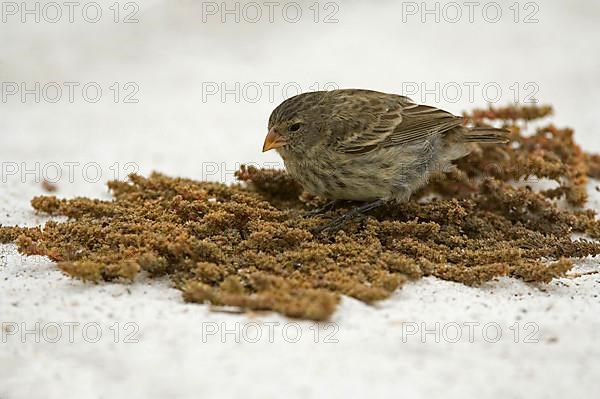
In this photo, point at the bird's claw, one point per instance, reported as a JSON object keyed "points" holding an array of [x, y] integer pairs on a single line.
{"points": [[325, 208], [336, 224], [340, 221]]}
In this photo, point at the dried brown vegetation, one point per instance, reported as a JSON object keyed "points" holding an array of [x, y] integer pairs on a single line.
{"points": [[250, 245]]}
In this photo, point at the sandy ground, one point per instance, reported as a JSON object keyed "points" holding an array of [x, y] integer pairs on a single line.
{"points": [[505, 339]]}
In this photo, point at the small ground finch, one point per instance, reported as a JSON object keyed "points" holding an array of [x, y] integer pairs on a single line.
{"points": [[364, 145]]}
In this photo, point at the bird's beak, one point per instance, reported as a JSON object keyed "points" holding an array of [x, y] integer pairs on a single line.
{"points": [[273, 140]]}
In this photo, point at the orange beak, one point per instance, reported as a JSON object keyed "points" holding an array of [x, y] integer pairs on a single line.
{"points": [[273, 140]]}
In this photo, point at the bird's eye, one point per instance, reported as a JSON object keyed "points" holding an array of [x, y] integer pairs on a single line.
{"points": [[295, 127]]}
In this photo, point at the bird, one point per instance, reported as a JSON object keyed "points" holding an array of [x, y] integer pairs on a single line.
{"points": [[368, 146]]}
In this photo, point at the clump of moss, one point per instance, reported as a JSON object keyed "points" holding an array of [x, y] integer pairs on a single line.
{"points": [[251, 246], [49, 186]]}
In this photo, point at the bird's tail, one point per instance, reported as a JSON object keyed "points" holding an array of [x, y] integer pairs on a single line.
{"points": [[487, 135]]}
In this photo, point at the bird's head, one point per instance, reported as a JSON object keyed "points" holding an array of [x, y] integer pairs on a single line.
{"points": [[294, 125]]}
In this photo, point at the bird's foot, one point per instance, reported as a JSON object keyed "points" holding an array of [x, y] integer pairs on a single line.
{"points": [[340, 221], [325, 208]]}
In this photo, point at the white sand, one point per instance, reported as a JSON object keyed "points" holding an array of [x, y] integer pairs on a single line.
{"points": [[185, 350]]}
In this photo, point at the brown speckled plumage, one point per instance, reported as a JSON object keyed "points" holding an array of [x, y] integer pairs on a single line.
{"points": [[365, 145]]}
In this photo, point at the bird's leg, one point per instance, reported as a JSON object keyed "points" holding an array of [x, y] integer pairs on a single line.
{"points": [[327, 207], [340, 221]]}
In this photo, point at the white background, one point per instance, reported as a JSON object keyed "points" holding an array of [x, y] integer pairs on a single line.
{"points": [[173, 54]]}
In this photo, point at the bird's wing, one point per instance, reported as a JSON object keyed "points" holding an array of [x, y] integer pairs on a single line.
{"points": [[392, 123], [420, 122]]}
